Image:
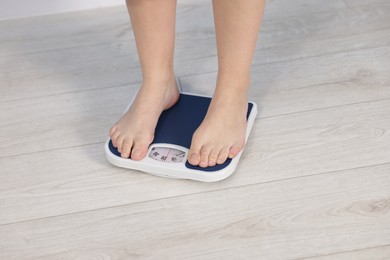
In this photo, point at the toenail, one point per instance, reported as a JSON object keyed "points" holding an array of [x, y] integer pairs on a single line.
{"points": [[193, 157], [220, 161], [136, 153]]}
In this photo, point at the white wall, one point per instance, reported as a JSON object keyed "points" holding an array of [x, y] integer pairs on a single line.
{"points": [[10, 9]]}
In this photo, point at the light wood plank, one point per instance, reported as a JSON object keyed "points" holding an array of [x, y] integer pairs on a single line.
{"points": [[69, 59], [99, 66], [45, 81], [100, 25], [63, 30], [311, 83], [27, 125], [316, 215], [280, 147], [377, 253]]}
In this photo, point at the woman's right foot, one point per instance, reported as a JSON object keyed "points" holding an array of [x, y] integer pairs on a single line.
{"points": [[134, 131]]}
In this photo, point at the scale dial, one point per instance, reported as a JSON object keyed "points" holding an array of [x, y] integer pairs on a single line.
{"points": [[168, 155]]}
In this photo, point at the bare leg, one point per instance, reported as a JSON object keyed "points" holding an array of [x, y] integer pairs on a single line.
{"points": [[153, 24], [222, 132]]}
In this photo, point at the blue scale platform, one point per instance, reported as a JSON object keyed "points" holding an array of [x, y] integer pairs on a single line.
{"points": [[177, 125]]}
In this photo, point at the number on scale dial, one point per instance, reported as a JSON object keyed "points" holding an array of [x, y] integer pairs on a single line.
{"points": [[165, 154]]}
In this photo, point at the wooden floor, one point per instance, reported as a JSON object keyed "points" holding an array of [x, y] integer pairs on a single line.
{"points": [[313, 181]]}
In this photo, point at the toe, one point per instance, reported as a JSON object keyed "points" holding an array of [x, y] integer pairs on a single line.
{"points": [[114, 139], [139, 150], [119, 143], [112, 130], [204, 156], [126, 148], [213, 157], [234, 150], [194, 158], [194, 153], [223, 155]]}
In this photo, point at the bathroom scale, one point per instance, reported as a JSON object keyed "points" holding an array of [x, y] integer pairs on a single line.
{"points": [[167, 154]]}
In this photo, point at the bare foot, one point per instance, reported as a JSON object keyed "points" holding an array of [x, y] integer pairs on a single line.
{"points": [[222, 132], [134, 131]]}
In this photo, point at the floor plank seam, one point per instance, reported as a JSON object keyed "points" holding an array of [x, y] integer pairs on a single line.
{"points": [[54, 149], [196, 193], [324, 108], [66, 48], [342, 252], [130, 85]]}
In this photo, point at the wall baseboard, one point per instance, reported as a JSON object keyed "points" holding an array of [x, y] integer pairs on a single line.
{"points": [[11, 9]]}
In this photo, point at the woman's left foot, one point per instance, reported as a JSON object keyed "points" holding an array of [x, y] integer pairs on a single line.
{"points": [[221, 135]]}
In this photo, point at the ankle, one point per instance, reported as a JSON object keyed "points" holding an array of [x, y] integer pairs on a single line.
{"points": [[235, 82], [234, 73], [232, 88], [159, 77]]}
